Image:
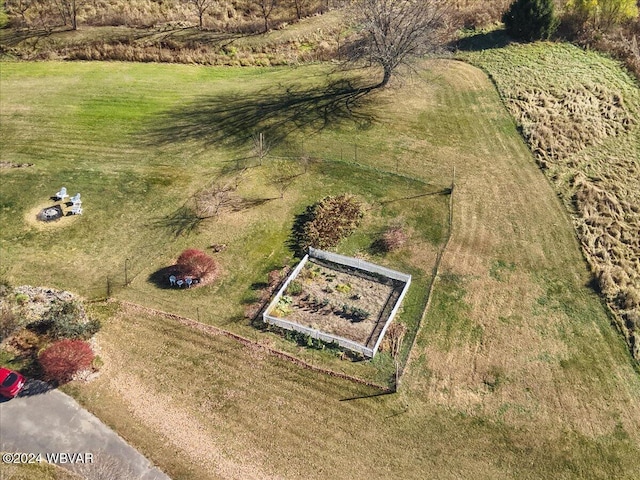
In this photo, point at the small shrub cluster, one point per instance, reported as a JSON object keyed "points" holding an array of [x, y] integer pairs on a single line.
{"points": [[63, 359], [66, 320], [315, 303], [393, 239], [356, 314], [327, 222], [283, 307], [294, 288], [197, 264], [305, 340], [475, 14], [343, 288]]}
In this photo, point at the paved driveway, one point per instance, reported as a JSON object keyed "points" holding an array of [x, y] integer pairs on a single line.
{"points": [[52, 422]]}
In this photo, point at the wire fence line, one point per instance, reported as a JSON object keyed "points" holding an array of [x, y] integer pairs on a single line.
{"points": [[436, 273]]}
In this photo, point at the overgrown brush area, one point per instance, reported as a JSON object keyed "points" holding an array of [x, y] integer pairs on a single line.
{"points": [[579, 113], [229, 15], [309, 40]]}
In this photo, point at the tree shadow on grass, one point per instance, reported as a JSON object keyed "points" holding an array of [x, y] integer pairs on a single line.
{"points": [[233, 118], [183, 221], [297, 239], [483, 41]]}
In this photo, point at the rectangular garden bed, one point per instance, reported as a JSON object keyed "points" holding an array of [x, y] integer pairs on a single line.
{"points": [[339, 299]]}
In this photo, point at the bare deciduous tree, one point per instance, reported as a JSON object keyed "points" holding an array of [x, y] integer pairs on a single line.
{"points": [[261, 146], [20, 7], [395, 31], [282, 174], [265, 8], [210, 201], [395, 336], [301, 7], [201, 7], [68, 10]]}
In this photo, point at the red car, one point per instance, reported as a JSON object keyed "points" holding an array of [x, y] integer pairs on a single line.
{"points": [[10, 382]]}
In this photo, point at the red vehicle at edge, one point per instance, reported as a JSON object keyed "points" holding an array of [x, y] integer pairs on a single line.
{"points": [[10, 382]]}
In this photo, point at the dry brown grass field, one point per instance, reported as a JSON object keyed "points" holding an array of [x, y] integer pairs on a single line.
{"points": [[516, 372], [580, 113]]}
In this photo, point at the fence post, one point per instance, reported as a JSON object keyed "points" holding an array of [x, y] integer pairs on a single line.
{"points": [[108, 288]]}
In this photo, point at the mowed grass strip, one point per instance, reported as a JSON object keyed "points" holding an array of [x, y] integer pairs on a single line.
{"points": [[207, 407], [514, 332], [579, 113]]}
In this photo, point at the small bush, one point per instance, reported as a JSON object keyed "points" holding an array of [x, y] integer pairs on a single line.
{"points": [[531, 20], [196, 263], [26, 342], [22, 298], [294, 288], [343, 288], [327, 222], [9, 322], [393, 239], [72, 329], [66, 320], [63, 359], [283, 307]]}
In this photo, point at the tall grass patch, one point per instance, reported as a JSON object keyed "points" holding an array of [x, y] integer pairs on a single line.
{"points": [[579, 113]]}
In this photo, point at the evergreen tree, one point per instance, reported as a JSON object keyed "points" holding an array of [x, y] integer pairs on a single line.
{"points": [[531, 20]]}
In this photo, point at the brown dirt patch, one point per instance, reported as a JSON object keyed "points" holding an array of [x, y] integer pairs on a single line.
{"points": [[31, 217]]}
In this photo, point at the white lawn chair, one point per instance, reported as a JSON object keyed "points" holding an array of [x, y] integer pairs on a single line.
{"points": [[76, 210], [76, 199], [62, 194], [188, 281], [172, 280]]}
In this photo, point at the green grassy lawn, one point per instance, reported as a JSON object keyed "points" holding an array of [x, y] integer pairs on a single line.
{"points": [[139, 144], [516, 372]]}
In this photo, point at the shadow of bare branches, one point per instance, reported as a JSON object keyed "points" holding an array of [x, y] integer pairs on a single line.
{"points": [[232, 118], [182, 221]]}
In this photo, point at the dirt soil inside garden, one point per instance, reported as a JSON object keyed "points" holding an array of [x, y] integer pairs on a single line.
{"points": [[325, 291]]}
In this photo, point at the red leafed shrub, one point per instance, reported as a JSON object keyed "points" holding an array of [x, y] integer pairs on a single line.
{"points": [[63, 359], [197, 264]]}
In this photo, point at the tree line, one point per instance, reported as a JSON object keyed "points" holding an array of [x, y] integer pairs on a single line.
{"points": [[226, 15]]}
